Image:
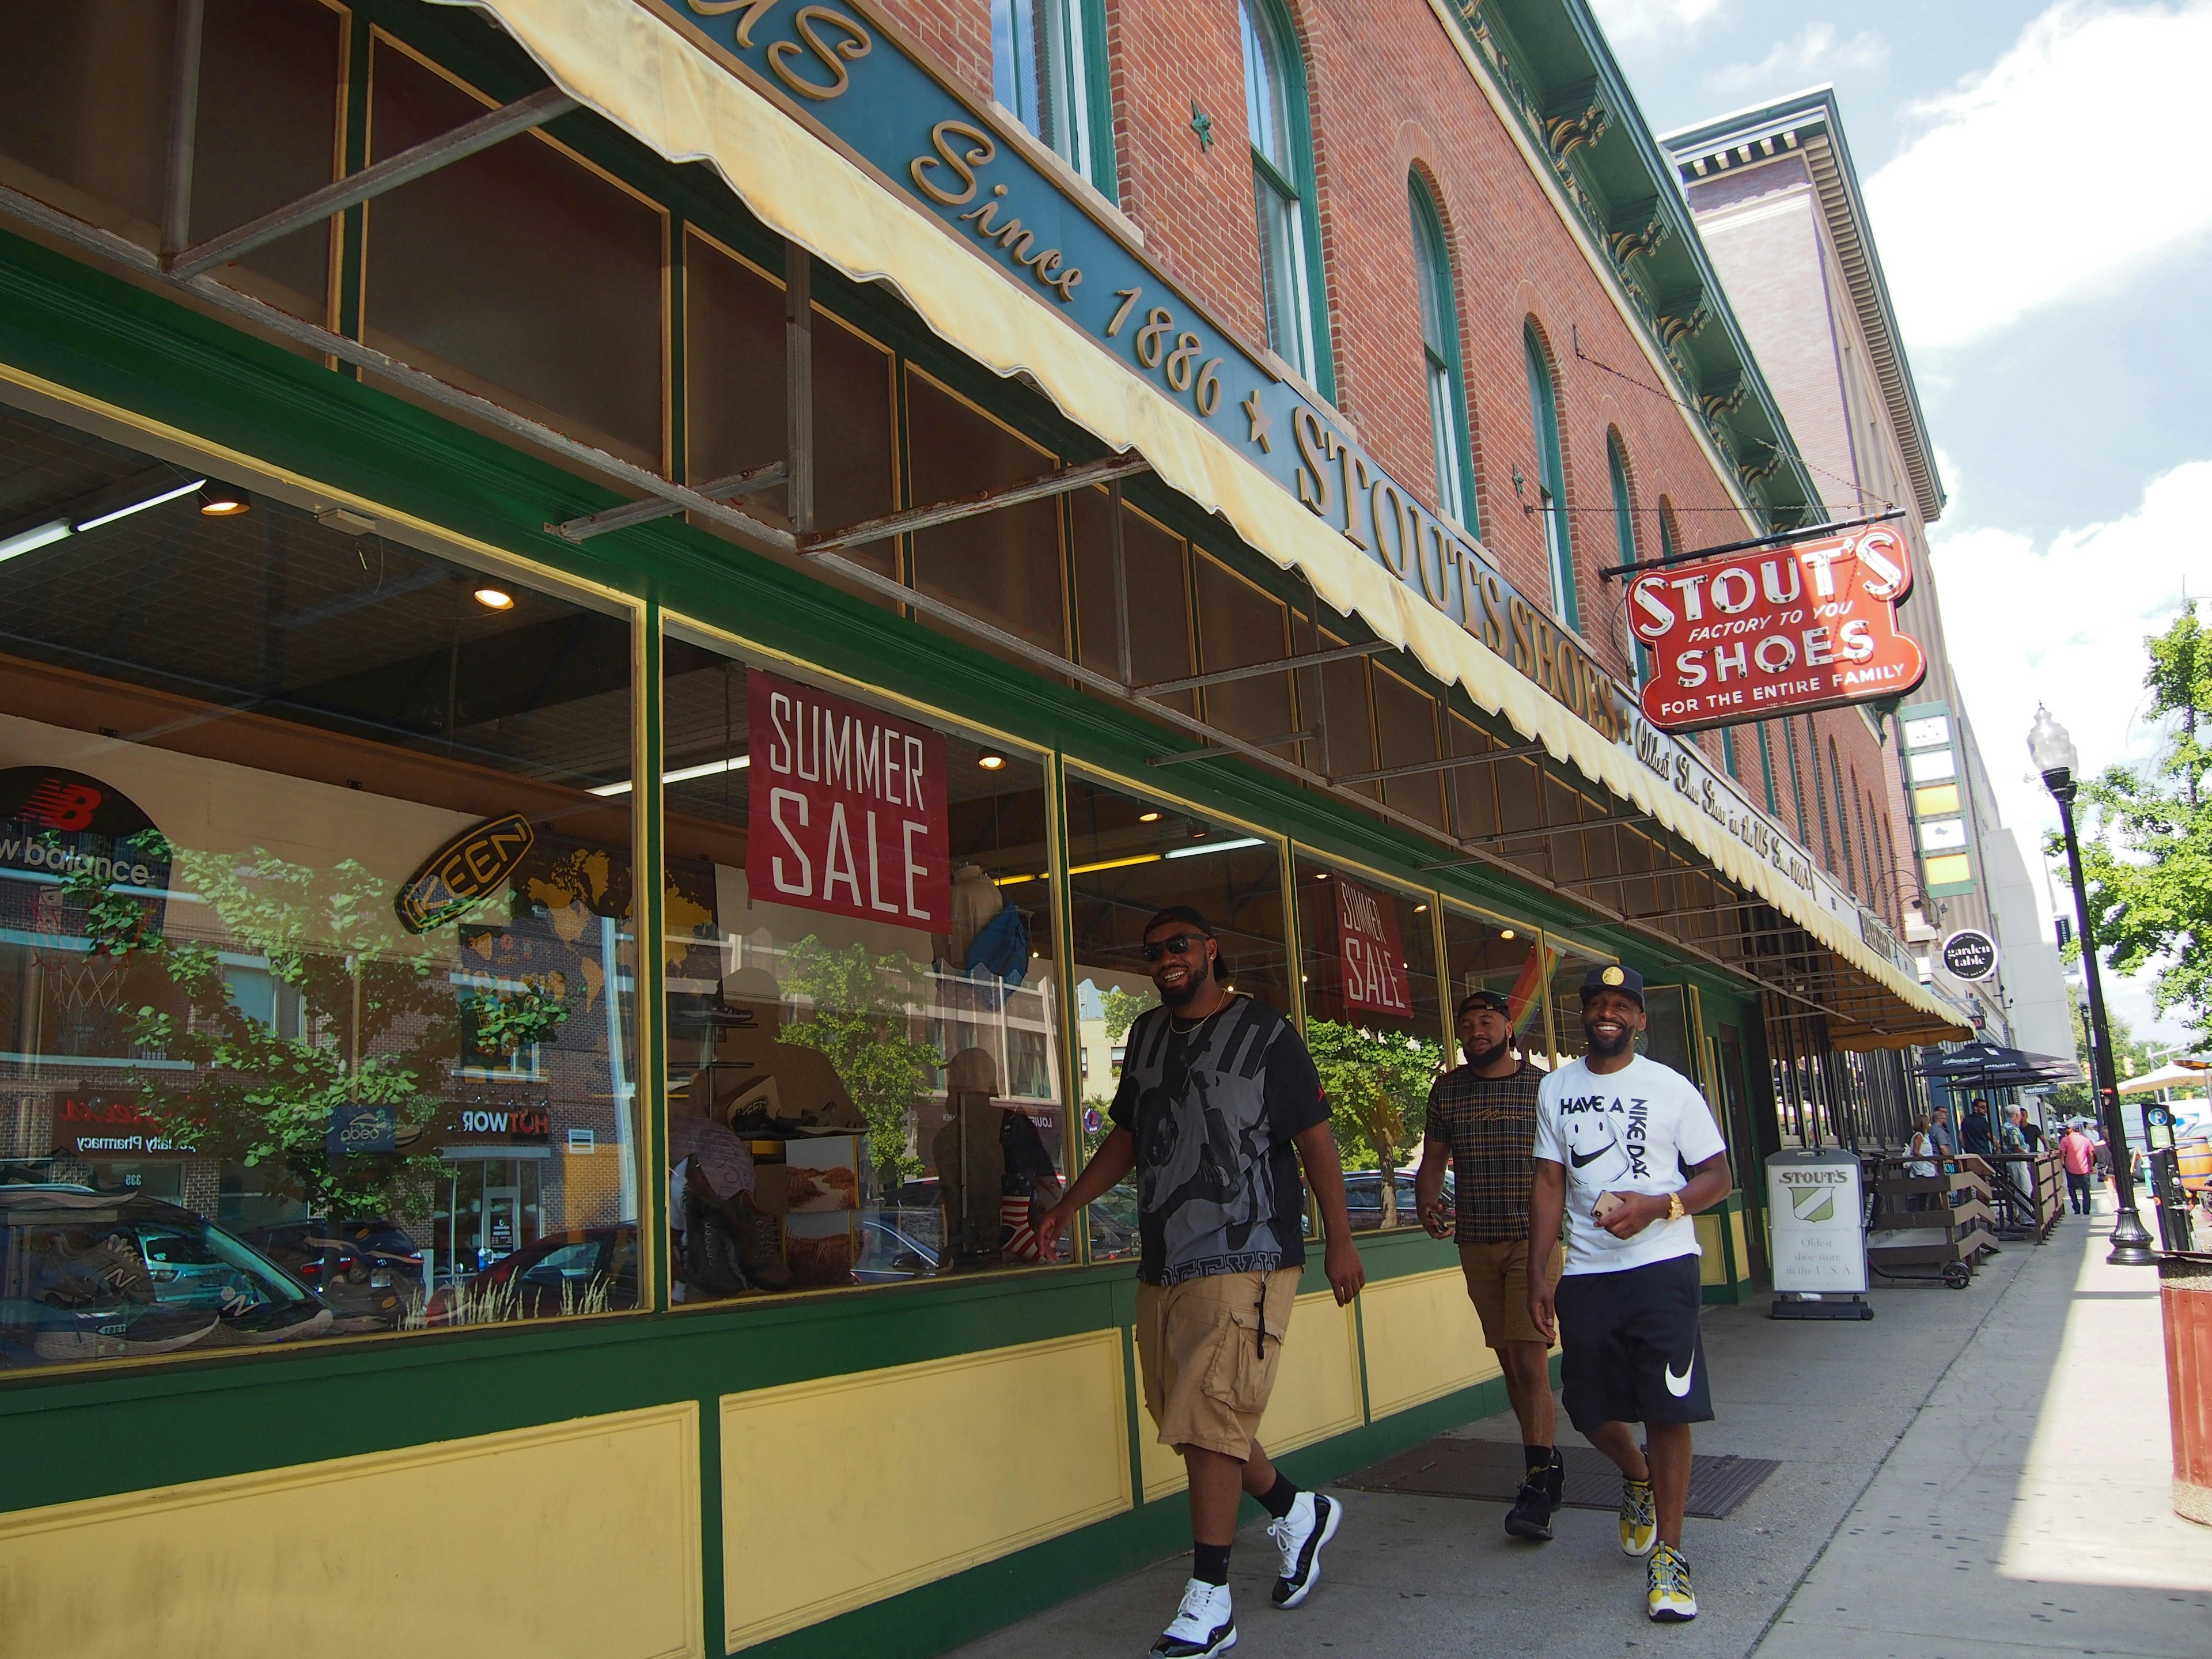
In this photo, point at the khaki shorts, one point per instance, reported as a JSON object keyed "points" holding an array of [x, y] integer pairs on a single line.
{"points": [[1497, 1285], [1206, 1371]]}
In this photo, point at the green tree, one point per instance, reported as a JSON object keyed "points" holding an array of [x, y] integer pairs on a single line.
{"points": [[1122, 1008], [862, 1009], [380, 1019], [2146, 837], [1377, 1088]]}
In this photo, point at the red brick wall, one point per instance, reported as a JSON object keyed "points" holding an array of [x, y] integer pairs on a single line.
{"points": [[955, 34]]}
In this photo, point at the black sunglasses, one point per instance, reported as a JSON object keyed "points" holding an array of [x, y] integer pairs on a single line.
{"points": [[1174, 945]]}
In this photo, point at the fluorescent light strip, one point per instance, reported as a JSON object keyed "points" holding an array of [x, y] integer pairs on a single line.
{"points": [[682, 774], [140, 506], [43, 535], [1213, 847]]}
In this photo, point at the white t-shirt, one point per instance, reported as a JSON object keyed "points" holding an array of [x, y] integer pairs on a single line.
{"points": [[1623, 1132]]}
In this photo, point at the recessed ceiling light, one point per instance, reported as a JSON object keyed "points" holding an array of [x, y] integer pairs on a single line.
{"points": [[495, 598], [1505, 932], [222, 500], [990, 760], [1148, 817], [1320, 875], [1420, 910]]}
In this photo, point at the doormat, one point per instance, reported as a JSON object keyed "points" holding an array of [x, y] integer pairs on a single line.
{"points": [[1491, 1470]]}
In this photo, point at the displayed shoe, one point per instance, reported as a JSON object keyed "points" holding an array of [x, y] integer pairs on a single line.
{"points": [[760, 1245], [1530, 1516], [710, 1253], [1202, 1626], [1300, 1535], [1639, 1518], [1670, 1599]]}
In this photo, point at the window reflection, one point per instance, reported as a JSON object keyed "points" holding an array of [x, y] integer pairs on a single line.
{"points": [[863, 1034], [1482, 953], [1569, 967]]}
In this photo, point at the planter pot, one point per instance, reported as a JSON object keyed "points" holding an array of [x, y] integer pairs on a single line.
{"points": [[2185, 1301]]}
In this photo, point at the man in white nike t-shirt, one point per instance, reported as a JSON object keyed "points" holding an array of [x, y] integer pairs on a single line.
{"points": [[1614, 1133]]}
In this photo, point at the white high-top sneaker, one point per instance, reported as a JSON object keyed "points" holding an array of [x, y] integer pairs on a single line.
{"points": [[1202, 1626], [1299, 1535]]}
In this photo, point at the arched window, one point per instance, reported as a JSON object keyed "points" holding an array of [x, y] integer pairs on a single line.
{"points": [[1440, 357], [1624, 541], [1550, 480], [1282, 190], [1047, 66]]}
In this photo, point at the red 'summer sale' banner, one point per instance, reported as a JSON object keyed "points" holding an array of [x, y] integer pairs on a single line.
{"points": [[1775, 630], [1367, 947], [848, 809]]}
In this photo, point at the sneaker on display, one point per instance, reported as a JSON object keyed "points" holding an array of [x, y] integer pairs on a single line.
{"points": [[1202, 1626], [1670, 1599], [1530, 1517], [1639, 1518], [1299, 1535]]}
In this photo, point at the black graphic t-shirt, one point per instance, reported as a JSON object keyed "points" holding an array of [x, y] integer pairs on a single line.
{"points": [[1214, 1111]]}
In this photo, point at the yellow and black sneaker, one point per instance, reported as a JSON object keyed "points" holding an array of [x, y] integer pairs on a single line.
{"points": [[1639, 1518], [1670, 1600]]}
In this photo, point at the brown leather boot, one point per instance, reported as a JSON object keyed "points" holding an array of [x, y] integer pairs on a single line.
{"points": [[760, 1245]]}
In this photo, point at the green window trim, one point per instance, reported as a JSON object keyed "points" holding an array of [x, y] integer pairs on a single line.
{"points": [[1279, 122], [1550, 480], [1069, 104], [1624, 535], [1450, 431], [1766, 772]]}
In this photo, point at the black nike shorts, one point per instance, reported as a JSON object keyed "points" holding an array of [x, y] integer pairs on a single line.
{"points": [[1630, 1348]]}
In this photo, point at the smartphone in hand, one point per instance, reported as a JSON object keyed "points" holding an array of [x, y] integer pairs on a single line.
{"points": [[1607, 1205]]}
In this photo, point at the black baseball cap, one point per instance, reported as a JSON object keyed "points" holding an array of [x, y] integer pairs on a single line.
{"points": [[1613, 977], [1491, 1000]]}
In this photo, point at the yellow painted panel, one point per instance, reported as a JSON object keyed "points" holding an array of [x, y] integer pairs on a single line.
{"points": [[1742, 1247], [1712, 1268], [1422, 1340], [579, 1538], [1316, 1393], [842, 1491]]}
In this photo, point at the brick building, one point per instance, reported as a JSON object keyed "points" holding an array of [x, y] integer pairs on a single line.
{"points": [[726, 556]]}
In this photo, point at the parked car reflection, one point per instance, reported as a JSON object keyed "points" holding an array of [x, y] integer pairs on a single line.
{"points": [[582, 1271], [90, 1275]]}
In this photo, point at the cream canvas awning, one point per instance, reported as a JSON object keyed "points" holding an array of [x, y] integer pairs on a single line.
{"points": [[629, 66]]}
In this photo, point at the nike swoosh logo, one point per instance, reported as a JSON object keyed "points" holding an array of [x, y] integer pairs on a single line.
{"points": [[1578, 1159], [1680, 1386]]}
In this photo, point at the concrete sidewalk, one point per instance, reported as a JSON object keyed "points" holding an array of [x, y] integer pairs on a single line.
{"points": [[1971, 1473]]}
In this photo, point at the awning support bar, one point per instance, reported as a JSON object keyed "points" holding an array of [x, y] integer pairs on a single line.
{"points": [[1414, 769], [798, 386], [736, 487], [1118, 541], [983, 501], [1503, 836], [184, 126], [1250, 671], [336, 196], [1213, 752]]}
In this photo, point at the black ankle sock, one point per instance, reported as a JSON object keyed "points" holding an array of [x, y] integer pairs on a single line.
{"points": [[1209, 1563], [1278, 1499], [1535, 1457]]}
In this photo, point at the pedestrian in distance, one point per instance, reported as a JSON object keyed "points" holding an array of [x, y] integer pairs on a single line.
{"points": [[1218, 1110], [2030, 1133], [1974, 1133], [1482, 1122], [1923, 1151], [1614, 1130], [2079, 1154], [1939, 1131]]}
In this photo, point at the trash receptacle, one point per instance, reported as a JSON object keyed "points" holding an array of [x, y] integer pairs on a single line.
{"points": [[2184, 1295]]}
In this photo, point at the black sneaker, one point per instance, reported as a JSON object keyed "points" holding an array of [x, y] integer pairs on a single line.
{"points": [[1530, 1517]]}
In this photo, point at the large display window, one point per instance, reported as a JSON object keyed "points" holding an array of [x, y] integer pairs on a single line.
{"points": [[1367, 964], [1489, 953], [865, 1057], [1568, 965], [316, 923], [1129, 857]]}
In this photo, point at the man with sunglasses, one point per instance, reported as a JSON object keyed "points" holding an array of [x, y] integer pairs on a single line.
{"points": [[1218, 1106], [1482, 1122]]}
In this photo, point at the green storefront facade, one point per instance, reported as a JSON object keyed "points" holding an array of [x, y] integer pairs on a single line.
{"points": [[313, 712]]}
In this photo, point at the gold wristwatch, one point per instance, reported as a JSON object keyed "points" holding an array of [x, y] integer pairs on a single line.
{"points": [[1675, 1210]]}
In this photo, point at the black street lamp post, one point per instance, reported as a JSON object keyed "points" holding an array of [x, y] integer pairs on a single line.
{"points": [[2056, 758]]}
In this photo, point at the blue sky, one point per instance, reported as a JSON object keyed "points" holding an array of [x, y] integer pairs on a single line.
{"points": [[2046, 227]]}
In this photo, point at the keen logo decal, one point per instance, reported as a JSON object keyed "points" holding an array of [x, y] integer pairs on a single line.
{"points": [[463, 874]]}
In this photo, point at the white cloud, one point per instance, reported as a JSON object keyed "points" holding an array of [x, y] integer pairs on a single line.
{"points": [[1815, 54], [1651, 22], [2062, 624], [2063, 167]]}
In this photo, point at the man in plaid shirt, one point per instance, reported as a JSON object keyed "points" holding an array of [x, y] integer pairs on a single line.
{"points": [[1482, 1121]]}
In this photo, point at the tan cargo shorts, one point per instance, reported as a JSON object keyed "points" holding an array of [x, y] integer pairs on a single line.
{"points": [[1207, 1351], [1497, 1285]]}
